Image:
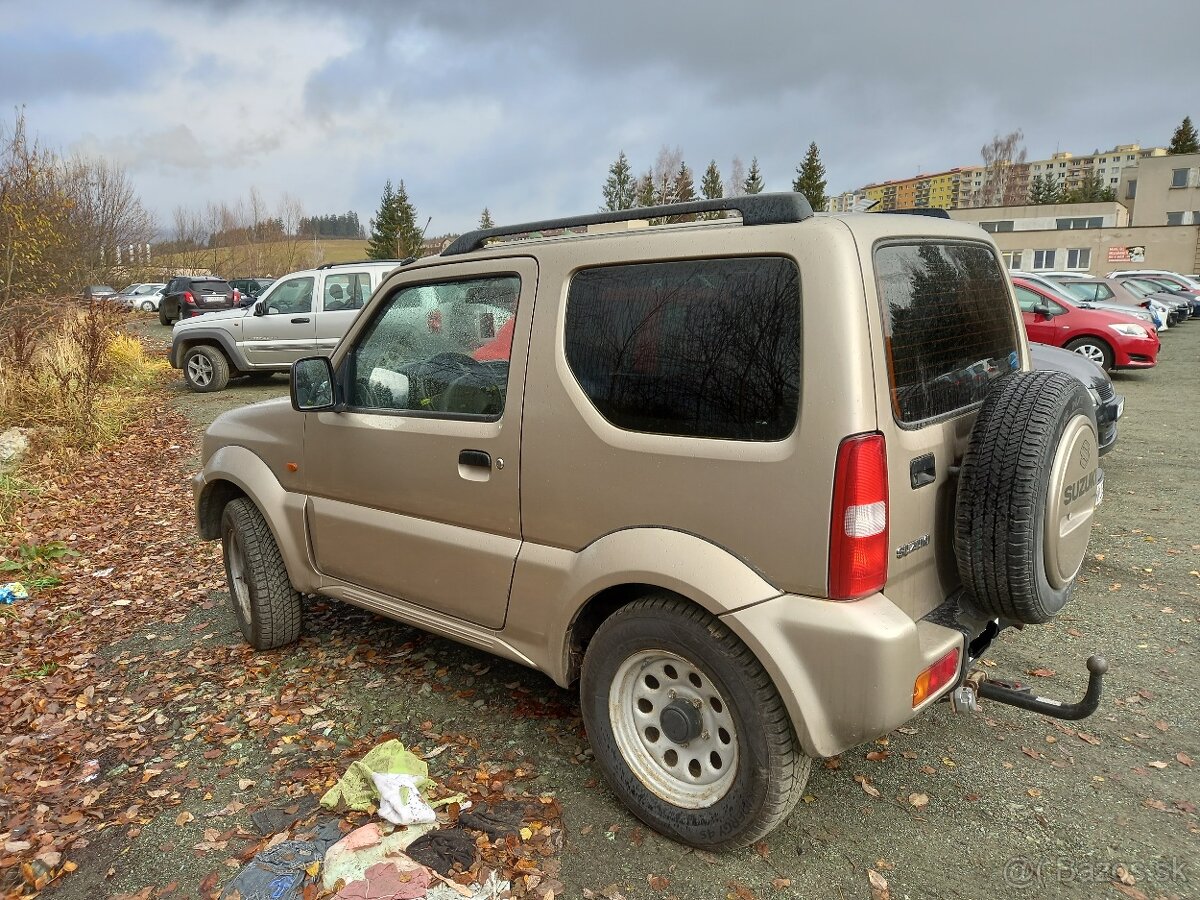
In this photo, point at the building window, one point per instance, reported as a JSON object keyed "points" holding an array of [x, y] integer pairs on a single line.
{"points": [[1104, 159], [994, 227], [1131, 156], [1080, 222], [1114, 180], [1131, 191], [1174, 218], [1179, 178], [1012, 258], [1043, 259], [1079, 259]]}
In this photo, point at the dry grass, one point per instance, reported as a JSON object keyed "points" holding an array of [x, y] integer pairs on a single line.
{"points": [[71, 375]]}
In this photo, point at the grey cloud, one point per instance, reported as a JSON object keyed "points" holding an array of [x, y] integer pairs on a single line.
{"points": [[42, 63]]}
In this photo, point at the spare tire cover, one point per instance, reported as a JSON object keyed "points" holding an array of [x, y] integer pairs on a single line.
{"points": [[1027, 496]]}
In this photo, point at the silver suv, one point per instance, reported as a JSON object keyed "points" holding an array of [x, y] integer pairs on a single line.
{"points": [[301, 314], [765, 488]]}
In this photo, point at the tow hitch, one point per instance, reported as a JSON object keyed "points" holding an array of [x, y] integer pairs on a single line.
{"points": [[978, 684]]}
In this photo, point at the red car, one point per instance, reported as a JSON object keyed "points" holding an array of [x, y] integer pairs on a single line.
{"points": [[1111, 340]]}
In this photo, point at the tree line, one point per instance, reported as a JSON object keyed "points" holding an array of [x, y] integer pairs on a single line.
{"points": [[333, 225], [65, 220], [671, 180]]}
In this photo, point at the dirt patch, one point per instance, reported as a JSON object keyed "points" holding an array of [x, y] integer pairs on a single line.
{"points": [[1001, 803]]}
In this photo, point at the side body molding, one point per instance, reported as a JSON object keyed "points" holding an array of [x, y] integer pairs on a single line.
{"points": [[551, 586]]}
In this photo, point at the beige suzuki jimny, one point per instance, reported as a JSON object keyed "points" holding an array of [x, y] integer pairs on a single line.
{"points": [[763, 485]]}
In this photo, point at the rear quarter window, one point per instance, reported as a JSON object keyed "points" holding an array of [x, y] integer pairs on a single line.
{"points": [[949, 325], [698, 348]]}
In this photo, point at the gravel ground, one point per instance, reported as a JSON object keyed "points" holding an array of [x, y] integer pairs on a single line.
{"points": [[1018, 804]]}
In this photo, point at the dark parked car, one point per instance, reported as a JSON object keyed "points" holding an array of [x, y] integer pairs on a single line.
{"points": [[251, 288], [187, 295], [1109, 404], [97, 292]]}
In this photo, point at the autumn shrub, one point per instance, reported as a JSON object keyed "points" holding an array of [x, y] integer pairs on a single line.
{"points": [[70, 374]]}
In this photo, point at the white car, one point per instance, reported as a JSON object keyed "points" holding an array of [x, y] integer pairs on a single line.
{"points": [[141, 296]]}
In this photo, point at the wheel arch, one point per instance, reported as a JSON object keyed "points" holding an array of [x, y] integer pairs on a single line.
{"points": [[184, 341], [234, 472]]}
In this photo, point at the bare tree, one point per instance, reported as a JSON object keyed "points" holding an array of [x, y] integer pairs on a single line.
{"points": [[736, 185], [666, 168], [1005, 174]]}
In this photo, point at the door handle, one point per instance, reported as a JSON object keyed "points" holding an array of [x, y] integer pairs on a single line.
{"points": [[921, 471], [476, 458], [301, 321]]}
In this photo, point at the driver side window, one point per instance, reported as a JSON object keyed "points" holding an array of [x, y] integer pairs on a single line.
{"points": [[440, 348], [290, 297]]}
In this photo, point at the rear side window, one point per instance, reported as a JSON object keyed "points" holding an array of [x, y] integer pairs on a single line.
{"points": [[698, 348], [949, 325]]}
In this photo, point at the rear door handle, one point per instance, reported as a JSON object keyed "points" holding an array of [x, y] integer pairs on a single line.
{"points": [[476, 458], [303, 321], [921, 471]]}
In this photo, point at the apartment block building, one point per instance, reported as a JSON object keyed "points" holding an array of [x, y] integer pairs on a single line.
{"points": [[938, 189], [1069, 171], [1162, 190]]}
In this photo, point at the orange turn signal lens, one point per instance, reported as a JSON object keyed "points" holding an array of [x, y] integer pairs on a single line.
{"points": [[936, 677]]}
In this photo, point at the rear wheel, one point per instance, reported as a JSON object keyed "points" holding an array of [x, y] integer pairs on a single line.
{"points": [[687, 726], [205, 369], [1094, 349], [147, 306]]}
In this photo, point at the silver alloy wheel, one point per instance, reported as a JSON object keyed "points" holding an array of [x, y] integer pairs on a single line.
{"points": [[147, 306], [1092, 352], [655, 693], [200, 370], [238, 587]]}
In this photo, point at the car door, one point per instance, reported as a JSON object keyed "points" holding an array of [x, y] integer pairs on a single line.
{"points": [[1038, 327], [413, 487], [282, 328], [343, 294]]}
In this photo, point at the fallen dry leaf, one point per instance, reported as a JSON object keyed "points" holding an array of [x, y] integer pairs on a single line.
{"points": [[920, 801], [879, 886]]}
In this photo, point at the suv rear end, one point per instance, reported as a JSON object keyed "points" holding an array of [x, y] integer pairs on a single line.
{"points": [[188, 296]]}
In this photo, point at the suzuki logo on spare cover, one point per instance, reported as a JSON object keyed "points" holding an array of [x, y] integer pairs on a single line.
{"points": [[1085, 454]]}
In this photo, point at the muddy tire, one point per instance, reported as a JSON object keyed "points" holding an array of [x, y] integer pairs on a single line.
{"points": [[205, 369], [687, 727], [263, 600], [1026, 496]]}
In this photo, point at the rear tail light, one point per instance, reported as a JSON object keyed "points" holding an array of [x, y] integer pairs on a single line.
{"points": [[237, 296], [188, 298], [435, 321], [936, 677], [858, 528]]}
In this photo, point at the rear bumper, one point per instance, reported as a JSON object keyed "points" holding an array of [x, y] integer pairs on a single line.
{"points": [[845, 671]]}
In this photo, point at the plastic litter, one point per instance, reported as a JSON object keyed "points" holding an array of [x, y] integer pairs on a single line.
{"points": [[492, 888], [349, 859], [357, 788], [400, 800], [12, 592]]}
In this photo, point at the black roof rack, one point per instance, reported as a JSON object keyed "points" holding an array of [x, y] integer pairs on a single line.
{"points": [[934, 212], [756, 209], [363, 262]]}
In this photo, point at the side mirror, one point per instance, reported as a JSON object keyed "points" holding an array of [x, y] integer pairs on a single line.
{"points": [[259, 309], [313, 385], [1042, 309]]}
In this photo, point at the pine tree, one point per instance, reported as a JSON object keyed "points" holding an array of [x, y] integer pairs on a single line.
{"points": [[1090, 190], [620, 189], [683, 191], [1043, 190], [1184, 140], [382, 244], [408, 235], [645, 190], [485, 219], [711, 187], [754, 181], [810, 178]]}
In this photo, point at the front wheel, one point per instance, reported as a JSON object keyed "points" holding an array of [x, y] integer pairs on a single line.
{"points": [[687, 726], [265, 604], [1095, 350], [147, 306]]}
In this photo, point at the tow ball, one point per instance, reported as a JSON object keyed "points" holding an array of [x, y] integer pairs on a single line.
{"points": [[963, 697]]}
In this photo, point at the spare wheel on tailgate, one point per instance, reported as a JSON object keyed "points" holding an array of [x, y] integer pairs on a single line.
{"points": [[1027, 496]]}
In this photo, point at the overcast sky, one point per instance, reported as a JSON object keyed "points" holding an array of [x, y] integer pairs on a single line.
{"points": [[522, 106]]}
